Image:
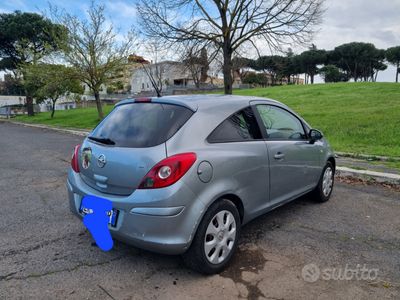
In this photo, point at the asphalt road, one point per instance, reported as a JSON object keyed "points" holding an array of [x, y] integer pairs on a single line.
{"points": [[46, 253]]}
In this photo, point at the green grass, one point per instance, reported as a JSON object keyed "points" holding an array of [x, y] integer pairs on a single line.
{"points": [[356, 117], [81, 118]]}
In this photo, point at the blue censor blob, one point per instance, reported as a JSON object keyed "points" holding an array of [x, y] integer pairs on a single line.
{"points": [[97, 215]]}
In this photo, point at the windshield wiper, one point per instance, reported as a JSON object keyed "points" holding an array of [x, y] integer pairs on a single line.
{"points": [[106, 141]]}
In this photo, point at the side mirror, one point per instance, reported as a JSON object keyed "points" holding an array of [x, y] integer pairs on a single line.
{"points": [[315, 135]]}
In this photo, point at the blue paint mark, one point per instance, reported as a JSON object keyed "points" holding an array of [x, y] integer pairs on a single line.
{"points": [[97, 220]]}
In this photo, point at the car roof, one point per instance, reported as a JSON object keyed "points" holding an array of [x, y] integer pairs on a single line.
{"points": [[206, 101]]}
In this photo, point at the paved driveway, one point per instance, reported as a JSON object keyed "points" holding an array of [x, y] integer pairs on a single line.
{"points": [[45, 252]]}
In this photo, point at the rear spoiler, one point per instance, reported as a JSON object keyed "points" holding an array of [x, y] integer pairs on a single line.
{"points": [[193, 107]]}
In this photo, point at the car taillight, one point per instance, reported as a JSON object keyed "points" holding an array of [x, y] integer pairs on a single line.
{"points": [[168, 171], [75, 159]]}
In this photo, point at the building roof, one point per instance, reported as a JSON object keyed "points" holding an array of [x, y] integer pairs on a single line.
{"points": [[137, 59]]}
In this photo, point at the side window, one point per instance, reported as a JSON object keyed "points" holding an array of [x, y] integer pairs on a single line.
{"points": [[239, 127], [280, 124]]}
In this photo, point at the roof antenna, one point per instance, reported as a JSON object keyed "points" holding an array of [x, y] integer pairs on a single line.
{"points": [[153, 81]]}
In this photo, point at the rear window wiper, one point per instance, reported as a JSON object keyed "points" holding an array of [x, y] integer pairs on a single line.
{"points": [[106, 141]]}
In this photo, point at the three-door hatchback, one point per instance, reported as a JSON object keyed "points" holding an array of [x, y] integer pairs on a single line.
{"points": [[184, 173]]}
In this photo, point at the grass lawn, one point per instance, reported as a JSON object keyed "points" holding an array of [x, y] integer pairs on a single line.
{"points": [[82, 118], [355, 117]]}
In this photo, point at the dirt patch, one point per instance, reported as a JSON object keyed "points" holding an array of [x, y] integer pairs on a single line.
{"points": [[367, 182]]}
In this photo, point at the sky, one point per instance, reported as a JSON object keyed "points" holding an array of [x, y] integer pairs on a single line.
{"points": [[343, 21]]}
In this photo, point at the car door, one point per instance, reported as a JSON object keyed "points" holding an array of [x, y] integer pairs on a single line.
{"points": [[294, 162], [239, 157]]}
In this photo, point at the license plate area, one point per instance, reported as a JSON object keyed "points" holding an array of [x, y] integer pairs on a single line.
{"points": [[112, 215]]}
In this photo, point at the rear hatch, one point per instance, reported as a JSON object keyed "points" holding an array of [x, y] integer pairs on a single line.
{"points": [[127, 144]]}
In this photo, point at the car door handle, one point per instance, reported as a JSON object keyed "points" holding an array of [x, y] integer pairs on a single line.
{"points": [[279, 155]]}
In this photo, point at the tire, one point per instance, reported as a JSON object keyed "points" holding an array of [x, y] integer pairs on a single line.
{"points": [[324, 189], [208, 232]]}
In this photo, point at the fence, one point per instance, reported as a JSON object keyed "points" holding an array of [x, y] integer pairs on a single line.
{"points": [[9, 111], [5, 112]]}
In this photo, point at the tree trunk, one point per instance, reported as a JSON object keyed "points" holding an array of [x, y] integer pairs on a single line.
{"points": [[312, 78], [397, 72], [53, 108], [196, 81], [98, 104], [227, 69], [29, 106]]}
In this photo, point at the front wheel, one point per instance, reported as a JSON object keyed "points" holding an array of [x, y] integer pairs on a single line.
{"points": [[324, 189], [216, 239]]}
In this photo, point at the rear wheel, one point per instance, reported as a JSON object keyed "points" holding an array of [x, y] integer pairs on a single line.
{"points": [[216, 239], [324, 189]]}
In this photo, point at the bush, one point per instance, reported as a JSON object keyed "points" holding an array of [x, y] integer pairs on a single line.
{"points": [[331, 73], [256, 79]]}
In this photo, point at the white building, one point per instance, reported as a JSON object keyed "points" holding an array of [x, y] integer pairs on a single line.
{"points": [[11, 100], [88, 91], [169, 73], [62, 104]]}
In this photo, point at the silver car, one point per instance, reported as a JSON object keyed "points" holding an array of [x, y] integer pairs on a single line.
{"points": [[184, 173]]}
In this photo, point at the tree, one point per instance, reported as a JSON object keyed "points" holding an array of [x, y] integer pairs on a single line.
{"points": [[290, 67], [255, 78], [310, 59], [377, 65], [196, 62], [240, 67], [331, 73], [229, 25], [358, 60], [47, 81], [155, 71], [94, 49], [393, 57], [274, 65], [192, 64], [25, 38], [12, 86]]}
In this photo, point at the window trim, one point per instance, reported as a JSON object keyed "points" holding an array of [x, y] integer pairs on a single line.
{"points": [[264, 130], [235, 141]]}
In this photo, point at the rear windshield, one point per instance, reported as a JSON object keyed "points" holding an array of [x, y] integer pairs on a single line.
{"points": [[139, 125]]}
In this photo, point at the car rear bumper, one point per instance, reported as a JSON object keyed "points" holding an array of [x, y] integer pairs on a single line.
{"points": [[159, 220]]}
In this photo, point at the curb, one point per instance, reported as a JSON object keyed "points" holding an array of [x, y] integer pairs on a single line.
{"points": [[63, 130], [368, 175], [366, 156]]}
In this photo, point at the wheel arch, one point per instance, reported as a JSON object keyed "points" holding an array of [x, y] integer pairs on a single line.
{"points": [[235, 199], [332, 160]]}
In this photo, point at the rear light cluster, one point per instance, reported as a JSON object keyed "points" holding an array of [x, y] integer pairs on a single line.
{"points": [[168, 171], [75, 159]]}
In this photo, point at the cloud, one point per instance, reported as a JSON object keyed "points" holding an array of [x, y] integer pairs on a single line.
{"points": [[359, 20], [344, 21]]}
